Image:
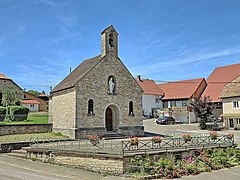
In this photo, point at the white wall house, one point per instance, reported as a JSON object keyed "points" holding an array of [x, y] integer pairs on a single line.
{"points": [[177, 96], [151, 98], [230, 96], [32, 105]]}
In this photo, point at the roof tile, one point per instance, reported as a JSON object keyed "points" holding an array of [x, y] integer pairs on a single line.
{"points": [[149, 87], [180, 89], [219, 78]]}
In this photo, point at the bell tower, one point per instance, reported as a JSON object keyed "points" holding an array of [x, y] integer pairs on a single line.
{"points": [[109, 41]]}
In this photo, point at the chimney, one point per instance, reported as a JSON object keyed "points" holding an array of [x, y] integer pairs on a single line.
{"points": [[139, 77]]}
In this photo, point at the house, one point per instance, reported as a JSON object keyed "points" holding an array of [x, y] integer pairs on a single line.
{"points": [[31, 104], [151, 97], [42, 104], [99, 97], [177, 96], [230, 96], [6, 82], [216, 82]]}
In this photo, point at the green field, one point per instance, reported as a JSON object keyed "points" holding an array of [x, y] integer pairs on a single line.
{"points": [[33, 118], [28, 137]]}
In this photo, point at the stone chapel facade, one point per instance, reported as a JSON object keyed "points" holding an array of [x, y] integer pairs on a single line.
{"points": [[99, 97]]}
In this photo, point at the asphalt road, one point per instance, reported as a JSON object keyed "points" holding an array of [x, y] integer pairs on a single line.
{"points": [[151, 127], [12, 168]]}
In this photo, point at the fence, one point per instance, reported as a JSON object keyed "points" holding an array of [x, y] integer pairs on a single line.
{"points": [[125, 147]]}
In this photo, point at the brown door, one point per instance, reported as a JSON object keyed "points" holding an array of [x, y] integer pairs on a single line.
{"points": [[109, 119]]}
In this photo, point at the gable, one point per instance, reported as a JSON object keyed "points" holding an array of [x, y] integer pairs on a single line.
{"points": [[77, 74]]}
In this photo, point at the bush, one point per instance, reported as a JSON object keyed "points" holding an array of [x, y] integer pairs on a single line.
{"points": [[2, 110], [19, 110]]}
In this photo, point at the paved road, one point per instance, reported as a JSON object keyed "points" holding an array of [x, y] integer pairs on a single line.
{"points": [[12, 168], [152, 127]]}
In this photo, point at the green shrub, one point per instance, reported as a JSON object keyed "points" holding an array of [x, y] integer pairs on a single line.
{"points": [[2, 110], [19, 110]]}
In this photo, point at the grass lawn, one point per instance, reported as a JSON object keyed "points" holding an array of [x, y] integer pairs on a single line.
{"points": [[27, 137], [33, 118]]}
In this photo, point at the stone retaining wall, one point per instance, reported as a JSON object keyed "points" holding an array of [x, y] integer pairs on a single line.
{"points": [[97, 163], [8, 129]]}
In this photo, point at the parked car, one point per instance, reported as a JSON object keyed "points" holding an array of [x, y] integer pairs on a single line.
{"points": [[165, 120]]}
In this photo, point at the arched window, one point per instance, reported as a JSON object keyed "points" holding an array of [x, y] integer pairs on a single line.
{"points": [[90, 106], [110, 40], [130, 108]]}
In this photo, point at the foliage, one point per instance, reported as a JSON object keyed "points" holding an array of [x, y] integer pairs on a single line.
{"points": [[156, 139], [213, 134], [18, 110], [2, 110], [10, 97], [229, 135], [35, 93], [203, 109], [94, 139], [187, 137], [134, 140], [203, 160]]}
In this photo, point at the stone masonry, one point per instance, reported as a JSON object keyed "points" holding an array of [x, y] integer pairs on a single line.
{"points": [[69, 103]]}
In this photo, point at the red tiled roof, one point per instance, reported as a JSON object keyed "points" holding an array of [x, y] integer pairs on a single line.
{"points": [[219, 78], [2, 76], [149, 87], [29, 101], [180, 89]]}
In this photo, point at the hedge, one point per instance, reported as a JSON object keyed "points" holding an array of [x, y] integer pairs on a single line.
{"points": [[19, 110], [2, 110]]}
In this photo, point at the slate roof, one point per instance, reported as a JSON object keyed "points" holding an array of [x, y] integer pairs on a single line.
{"points": [[231, 89], [77, 74], [180, 89], [219, 78], [149, 87]]}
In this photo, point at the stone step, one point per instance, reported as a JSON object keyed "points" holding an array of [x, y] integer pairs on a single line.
{"points": [[20, 151], [113, 136], [20, 155]]}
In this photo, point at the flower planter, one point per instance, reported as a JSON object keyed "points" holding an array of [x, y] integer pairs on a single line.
{"points": [[157, 141], [94, 142], [133, 143], [213, 137]]}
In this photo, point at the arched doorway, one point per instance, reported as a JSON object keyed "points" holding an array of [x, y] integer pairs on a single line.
{"points": [[109, 119], [112, 118]]}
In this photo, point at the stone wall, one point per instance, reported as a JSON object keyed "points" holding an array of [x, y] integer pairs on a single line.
{"points": [[96, 163], [62, 110], [8, 129], [94, 85]]}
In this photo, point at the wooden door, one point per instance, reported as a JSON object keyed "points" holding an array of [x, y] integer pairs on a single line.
{"points": [[108, 118]]}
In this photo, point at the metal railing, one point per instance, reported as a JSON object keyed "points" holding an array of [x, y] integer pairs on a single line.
{"points": [[124, 147]]}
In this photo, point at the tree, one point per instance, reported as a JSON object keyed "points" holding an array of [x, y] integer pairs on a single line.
{"points": [[10, 96], [203, 109], [35, 93]]}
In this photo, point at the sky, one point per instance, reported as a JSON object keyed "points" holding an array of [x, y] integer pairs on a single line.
{"points": [[163, 40]]}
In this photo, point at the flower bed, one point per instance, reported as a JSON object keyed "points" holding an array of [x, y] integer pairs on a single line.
{"points": [[134, 140], [94, 139], [229, 136], [213, 135], [202, 161], [156, 139], [187, 137]]}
